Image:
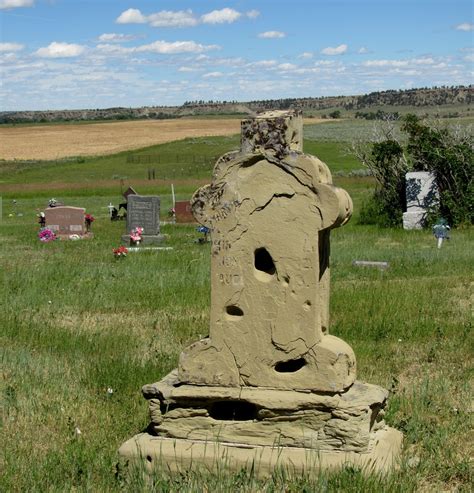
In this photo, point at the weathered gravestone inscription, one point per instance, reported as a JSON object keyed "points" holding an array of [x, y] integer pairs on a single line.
{"points": [[66, 221], [422, 196], [183, 212], [144, 212], [269, 386]]}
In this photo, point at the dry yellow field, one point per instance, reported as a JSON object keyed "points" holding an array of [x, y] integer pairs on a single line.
{"points": [[96, 139], [57, 141]]}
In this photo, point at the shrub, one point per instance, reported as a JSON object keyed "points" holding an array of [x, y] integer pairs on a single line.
{"points": [[447, 153]]}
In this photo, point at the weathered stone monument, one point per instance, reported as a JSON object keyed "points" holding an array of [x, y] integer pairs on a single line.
{"points": [[422, 196], [269, 386], [66, 221], [143, 211]]}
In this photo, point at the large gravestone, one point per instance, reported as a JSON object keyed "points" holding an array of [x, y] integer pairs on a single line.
{"points": [[422, 197], [269, 386], [144, 212], [65, 221]]}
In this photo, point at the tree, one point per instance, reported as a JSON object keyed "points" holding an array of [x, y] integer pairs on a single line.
{"points": [[447, 153]]}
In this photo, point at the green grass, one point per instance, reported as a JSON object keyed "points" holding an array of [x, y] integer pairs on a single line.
{"points": [[75, 322]]}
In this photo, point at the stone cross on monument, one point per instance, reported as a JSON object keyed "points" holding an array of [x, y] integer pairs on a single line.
{"points": [[269, 386]]}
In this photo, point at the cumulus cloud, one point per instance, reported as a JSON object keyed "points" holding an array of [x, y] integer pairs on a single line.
{"points": [[221, 16], [13, 4], [213, 75], [116, 38], [160, 47], [362, 50], [60, 50], [306, 55], [166, 48], [9, 47], [465, 26], [252, 14], [286, 66], [131, 16], [338, 50], [169, 18], [272, 35]]}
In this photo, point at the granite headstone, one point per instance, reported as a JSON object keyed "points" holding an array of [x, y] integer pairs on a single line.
{"points": [[144, 212], [183, 212], [65, 220]]}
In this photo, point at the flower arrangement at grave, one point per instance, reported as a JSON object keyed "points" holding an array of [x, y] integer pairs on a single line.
{"points": [[136, 235], [120, 252], [52, 202], [46, 235], [89, 219]]}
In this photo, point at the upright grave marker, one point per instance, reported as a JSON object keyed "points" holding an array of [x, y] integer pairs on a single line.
{"points": [[183, 212], [269, 386], [422, 196], [65, 221], [144, 212]]}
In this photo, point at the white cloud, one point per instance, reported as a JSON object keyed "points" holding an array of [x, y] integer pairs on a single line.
{"points": [[385, 63], [469, 58], [213, 75], [221, 16], [169, 18], [161, 47], [116, 38], [186, 69], [338, 50], [262, 63], [362, 50], [465, 26], [306, 55], [60, 50], [13, 4], [9, 47], [131, 16], [166, 48], [272, 35], [286, 66], [252, 14]]}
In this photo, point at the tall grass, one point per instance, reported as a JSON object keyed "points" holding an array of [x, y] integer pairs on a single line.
{"points": [[81, 332], [76, 322]]}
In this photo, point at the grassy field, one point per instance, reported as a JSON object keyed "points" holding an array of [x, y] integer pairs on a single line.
{"points": [[76, 322]]}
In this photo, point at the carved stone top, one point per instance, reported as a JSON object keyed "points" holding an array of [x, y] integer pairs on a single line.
{"points": [[277, 131], [270, 213]]}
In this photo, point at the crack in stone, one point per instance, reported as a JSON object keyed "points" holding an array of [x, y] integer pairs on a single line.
{"points": [[241, 379], [275, 195]]}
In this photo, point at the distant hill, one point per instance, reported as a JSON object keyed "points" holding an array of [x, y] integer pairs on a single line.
{"points": [[439, 101]]}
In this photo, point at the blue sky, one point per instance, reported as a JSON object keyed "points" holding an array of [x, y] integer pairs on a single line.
{"points": [[65, 54]]}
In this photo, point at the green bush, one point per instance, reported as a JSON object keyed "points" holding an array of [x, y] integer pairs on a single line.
{"points": [[447, 153]]}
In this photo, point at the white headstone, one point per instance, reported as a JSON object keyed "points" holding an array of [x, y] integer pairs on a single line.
{"points": [[422, 195]]}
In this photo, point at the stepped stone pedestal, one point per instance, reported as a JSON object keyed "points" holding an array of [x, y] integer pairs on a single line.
{"points": [[269, 387]]}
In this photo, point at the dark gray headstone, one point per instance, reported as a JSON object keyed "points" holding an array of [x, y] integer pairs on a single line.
{"points": [[144, 211]]}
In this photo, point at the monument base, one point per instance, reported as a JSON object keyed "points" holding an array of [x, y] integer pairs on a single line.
{"points": [[145, 241], [181, 455], [414, 220], [265, 427]]}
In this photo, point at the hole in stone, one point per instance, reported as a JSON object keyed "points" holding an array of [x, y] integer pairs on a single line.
{"points": [[290, 366], [234, 310], [263, 261], [233, 411], [307, 305], [148, 458]]}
